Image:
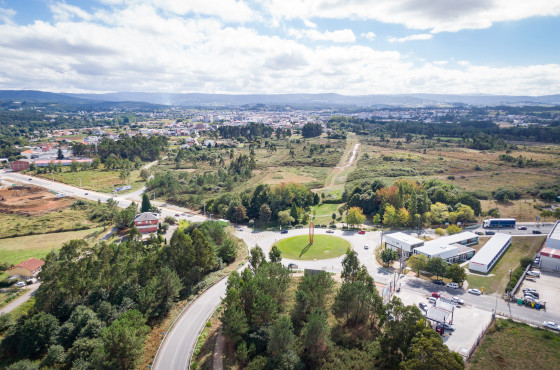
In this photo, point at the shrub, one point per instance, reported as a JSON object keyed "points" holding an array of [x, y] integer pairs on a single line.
{"points": [[439, 231]]}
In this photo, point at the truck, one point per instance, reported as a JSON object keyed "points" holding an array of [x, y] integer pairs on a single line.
{"points": [[498, 222]]}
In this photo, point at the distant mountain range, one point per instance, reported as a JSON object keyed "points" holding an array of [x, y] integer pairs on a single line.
{"points": [[315, 100]]}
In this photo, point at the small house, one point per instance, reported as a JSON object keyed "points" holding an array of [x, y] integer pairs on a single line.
{"points": [[28, 268]]}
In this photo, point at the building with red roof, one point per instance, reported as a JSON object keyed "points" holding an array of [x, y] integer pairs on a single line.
{"points": [[28, 268]]}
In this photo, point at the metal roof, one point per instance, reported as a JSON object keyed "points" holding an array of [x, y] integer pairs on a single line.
{"points": [[405, 238], [487, 253], [555, 232]]}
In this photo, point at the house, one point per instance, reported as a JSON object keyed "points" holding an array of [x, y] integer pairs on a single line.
{"points": [[146, 222], [28, 268]]}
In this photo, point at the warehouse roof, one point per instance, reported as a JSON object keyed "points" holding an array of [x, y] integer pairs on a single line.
{"points": [[550, 252], [451, 239], [555, 233], [487, 253], [408, 239]]}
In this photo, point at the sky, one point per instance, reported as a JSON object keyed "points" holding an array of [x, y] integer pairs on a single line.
{"points": [[350, 47]]}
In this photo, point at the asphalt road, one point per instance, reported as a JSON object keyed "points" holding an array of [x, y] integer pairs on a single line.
{"points": [[485, 302], [20, 300]]}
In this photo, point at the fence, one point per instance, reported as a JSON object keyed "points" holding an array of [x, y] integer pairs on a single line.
{"points": [[478, 339]]}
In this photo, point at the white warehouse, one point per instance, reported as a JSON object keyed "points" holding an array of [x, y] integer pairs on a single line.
{"points": [[553, 239], [402, 243], [490, 253]]}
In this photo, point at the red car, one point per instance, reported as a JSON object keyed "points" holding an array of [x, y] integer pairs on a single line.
{"points": [[436, 294], [361, 232]]}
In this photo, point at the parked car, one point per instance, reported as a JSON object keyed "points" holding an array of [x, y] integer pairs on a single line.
{"points": [[536, 261], [31, 281], [361, 232], [530, 299], [532, 293], [551, 325], [30, 179], [330, 231], [479, 233], [537, 232], [438, 282], [490, 232], [534, 273], [292, 266], [20, 284], [436, 294], [239, 228], [474, 291], [522, 228], [177, 215], [432, 300], [529, 295], [531, 290], [86, 193], [366, 246], [453, 285], [457, 300], [448, 326], [284, 231], [423, 306]]}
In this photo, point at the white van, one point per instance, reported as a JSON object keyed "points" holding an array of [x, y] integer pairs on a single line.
{"points": [[453, 285]]}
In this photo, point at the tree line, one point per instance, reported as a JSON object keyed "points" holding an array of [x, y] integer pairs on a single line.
{"points": [[96, 303], [326, 327]]}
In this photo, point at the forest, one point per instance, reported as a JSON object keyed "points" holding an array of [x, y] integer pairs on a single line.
{"points": [[324, 324], [97, 303]]}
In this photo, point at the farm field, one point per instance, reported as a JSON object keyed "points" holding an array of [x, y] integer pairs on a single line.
{"points": [[498, 277], [15, 250], [324, 246], [96, 180], [511, 345]]}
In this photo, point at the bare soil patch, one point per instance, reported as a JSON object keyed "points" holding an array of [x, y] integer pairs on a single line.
{"points": [[30, 200]]}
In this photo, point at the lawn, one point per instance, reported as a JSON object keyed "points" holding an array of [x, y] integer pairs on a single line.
{"points": [[16, 250], [96, 180], [498, 277], [511, 345], [324, 213], [523, 209], [324, 246], [64, 220]]}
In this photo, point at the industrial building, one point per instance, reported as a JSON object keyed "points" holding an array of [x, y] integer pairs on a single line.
{"points": [[452, 248], [490, 253], [553, 238], [550, 259], [402, 243]]}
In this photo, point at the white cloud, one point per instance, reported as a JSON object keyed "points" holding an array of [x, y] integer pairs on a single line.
{"points": [[434, 15], [309, 24], [137, 47], [368, 35], [420, 36], [345, 35], [6, 15]]}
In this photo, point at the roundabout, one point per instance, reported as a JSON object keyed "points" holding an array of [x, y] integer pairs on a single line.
{"points": [[323, 247]]}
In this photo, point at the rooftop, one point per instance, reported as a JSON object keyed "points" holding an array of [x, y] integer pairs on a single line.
{"points": [[551, 252], [491, 248], [408, 239], [555, 233], [451, 239], [31, 264], [145, 216], [437, 249]]}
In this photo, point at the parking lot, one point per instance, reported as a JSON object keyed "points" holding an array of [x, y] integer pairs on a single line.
{"points": [[469, 323], [548, 286]]}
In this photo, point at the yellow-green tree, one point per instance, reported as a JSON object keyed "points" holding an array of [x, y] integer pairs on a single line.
{"points": [[453, 229], [438, 213], [390, 217], [355, 216]]}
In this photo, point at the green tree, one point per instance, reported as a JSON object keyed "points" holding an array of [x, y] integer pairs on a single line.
{"points": [[355, 216], [429, 352], [123, 342], [265, 213], [437, 266], [388, 256], [294, 213], [417, 262], [333, 216], [282, 338], [145, 174], [256, 257], [285, 218], [59, 155], [390, 217], [275, 255], [316, 335], [34, 335], [456, 273], [453, 229], [158, 296], [311, 294], [228, 251], [438, 213], [146, 205], [233, 318]]}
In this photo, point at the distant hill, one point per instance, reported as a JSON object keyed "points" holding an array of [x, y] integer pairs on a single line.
{"points": [[314, 100]]}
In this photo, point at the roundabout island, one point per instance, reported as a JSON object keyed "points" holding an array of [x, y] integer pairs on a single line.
{"points": [[323, 247]]}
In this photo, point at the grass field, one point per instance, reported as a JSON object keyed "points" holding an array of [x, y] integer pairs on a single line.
{"points": [[324, 246], [511, 345], [16, 250], [324, 213], [498, 277], [96, 180], [64, 220], [521, 209]]}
